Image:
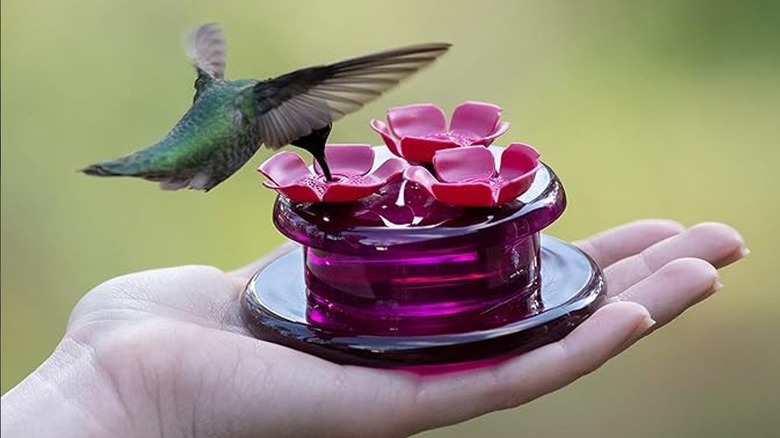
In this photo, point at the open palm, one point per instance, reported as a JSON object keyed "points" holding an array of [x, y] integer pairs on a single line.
{"points": [[168, 353]]}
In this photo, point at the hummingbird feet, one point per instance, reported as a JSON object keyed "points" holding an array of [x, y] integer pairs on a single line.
{"points": [[315, 144]]}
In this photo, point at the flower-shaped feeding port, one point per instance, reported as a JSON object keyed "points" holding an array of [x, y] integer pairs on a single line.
{"points": [[350, 164], [416, 132], [467, 176]]}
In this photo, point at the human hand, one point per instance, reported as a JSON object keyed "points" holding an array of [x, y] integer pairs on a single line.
{"points": [[164, 352]]}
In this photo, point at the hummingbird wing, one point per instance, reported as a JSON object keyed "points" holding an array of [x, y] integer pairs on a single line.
{"points": [[206, 48], [291, 106]]}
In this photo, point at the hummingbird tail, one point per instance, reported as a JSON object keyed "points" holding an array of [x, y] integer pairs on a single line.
{"points": [[98, 170], [124, 166], [201, 180]]}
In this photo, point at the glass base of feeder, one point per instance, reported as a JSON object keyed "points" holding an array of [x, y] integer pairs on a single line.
{"points": [[276, 308]]}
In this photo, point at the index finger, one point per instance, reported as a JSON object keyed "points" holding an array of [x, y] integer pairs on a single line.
{"points": [[629, 239]]}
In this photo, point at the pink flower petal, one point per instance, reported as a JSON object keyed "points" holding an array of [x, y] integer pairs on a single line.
{"points": [[416, 120], [301, 193], [284, 168], [389, 169], [517, 160], [359, 186], [469, 163], [421, 176], [345, 192], [511, 190], [421, 150], [387, 137], [477, 118], [475, 194], [519, 164], [347, 159], [500, 130]]}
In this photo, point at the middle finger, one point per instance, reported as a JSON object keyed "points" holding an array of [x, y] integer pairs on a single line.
{"points": [[715, 243]]}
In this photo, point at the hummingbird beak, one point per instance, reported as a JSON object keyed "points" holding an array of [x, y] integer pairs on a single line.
{"points": [[315, 144], [320, 157]]}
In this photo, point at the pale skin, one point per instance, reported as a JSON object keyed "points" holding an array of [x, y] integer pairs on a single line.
{"points": [[164, 353]]}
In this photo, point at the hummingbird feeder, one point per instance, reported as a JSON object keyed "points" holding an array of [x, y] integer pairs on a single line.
{"points": [[425, 253]]}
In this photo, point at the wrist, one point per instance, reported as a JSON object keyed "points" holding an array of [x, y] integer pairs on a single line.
{"points": [[65, 396]]}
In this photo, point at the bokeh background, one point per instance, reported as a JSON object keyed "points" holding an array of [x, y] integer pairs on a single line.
{"points": [[646, 109]]}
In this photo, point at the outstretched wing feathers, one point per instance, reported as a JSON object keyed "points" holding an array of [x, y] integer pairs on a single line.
{"points": [[291, 106], [206, 48]]}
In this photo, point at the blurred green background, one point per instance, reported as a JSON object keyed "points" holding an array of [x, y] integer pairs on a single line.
{"points": [[646, 109]]}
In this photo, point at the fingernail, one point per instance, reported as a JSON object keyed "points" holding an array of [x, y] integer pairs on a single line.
{"points": [[648, 323], [744, 252], [716, 286], [639, 331]]}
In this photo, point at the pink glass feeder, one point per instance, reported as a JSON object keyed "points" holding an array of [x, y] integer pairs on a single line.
{"points": [[436, 265]]}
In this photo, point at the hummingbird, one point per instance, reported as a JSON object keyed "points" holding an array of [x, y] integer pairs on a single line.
{"points": [[230, 119]]}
